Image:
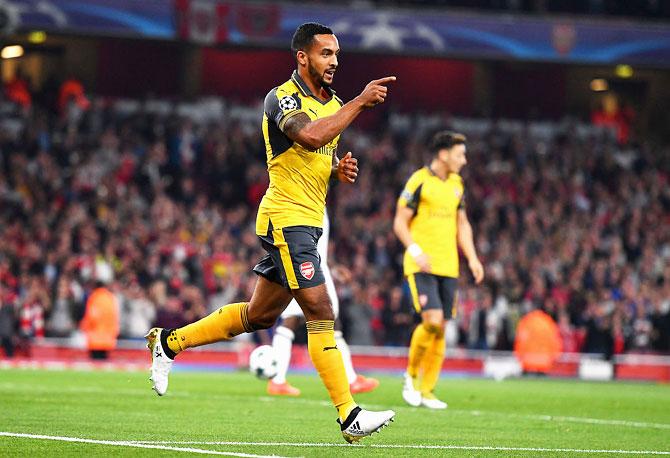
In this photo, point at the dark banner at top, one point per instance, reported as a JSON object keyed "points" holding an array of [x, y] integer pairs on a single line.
{"points": [[431, 33], [132, 18], [410, 32]]}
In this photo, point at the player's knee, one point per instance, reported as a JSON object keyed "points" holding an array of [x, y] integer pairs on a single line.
{"points": [[316, 305], [322, 311]]}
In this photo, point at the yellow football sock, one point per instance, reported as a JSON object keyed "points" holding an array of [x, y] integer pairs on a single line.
{"points": [[432, 363], [223, 324], [327, 360], [422, 338], [173, 342]]}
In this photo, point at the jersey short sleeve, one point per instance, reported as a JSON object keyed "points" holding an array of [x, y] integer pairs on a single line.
{"points": [[280, 106], [411, 194]]}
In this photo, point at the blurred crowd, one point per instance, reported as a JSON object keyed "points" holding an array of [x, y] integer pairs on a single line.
{"points": [[156, 201]]}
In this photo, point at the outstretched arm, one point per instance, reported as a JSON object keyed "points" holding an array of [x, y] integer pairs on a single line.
{"points": [[315, 134]]}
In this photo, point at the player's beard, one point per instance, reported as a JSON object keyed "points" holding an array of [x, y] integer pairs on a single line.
{"points": [[318, 77]]}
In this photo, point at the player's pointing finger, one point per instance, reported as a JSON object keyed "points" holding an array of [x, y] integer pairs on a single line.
{"points": [[385, 80]]}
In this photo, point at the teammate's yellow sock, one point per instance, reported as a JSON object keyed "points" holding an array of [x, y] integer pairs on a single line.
{"points": [[223, 324], [327, 360], [432, 363], [422, 338]]}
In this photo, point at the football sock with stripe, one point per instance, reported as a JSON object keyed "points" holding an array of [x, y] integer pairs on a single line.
{"points": [[222, 324], [327, 360], [432, 363]]}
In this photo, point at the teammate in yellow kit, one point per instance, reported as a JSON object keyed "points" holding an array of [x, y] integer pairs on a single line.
{"points": [[302, 122], [432, 223]]}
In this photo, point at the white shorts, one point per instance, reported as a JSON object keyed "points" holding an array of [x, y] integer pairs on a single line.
{"points": [[293, 308]]}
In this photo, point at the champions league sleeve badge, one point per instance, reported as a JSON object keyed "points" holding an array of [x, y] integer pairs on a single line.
{"points": [[288, 103]]}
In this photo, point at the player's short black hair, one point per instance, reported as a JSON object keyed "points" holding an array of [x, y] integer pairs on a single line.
{"points": [[445, 140], [304, 34]]}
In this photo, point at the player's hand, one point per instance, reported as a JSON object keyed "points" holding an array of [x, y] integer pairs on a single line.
{"points": [[423, 261], [477, 270], [375, 92], [347, 168]]}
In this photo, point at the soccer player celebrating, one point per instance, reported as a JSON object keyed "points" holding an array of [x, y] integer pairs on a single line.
{"points": [[302, 123], [432, 223], [292, 317]]}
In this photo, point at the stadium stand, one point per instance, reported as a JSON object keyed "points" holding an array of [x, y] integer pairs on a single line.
{"points": [[162, 194]]}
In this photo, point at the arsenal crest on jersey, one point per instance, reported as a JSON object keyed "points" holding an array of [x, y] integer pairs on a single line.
{"points": [[307, 270]]}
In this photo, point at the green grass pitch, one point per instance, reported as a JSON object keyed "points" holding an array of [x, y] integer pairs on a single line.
{"points": [[78, 413]]}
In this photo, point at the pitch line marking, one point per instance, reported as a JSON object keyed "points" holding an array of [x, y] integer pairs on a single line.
{"points": [[569, 419], [182, 394], [420, 447], [540, 417], [158, 446]]}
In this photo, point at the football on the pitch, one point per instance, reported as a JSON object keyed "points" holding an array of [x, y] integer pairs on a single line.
{"points": [[263, 362]]}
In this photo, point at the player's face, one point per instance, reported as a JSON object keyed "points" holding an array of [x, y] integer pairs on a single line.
{"points": [[454, 158], [322, 59]]}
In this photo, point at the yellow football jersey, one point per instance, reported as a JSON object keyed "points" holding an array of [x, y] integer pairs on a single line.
{"points": [[298, 177], [434, 226]]}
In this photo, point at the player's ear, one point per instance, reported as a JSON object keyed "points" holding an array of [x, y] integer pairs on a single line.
{"points": [[301, 57]]}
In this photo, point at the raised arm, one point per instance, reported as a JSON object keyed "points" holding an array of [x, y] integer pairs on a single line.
{"points": [[314, 134]]}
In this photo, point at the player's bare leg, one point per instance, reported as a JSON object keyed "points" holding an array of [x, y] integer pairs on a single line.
{"points": [[267, 302], [355, 422]]}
